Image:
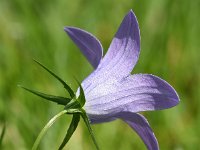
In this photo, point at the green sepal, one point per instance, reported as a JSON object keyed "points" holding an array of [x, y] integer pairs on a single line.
{"points": [[73, 104], [66, 86], [81, 98], [57, 99], [71, 129], [2, 134], [87, 122]]}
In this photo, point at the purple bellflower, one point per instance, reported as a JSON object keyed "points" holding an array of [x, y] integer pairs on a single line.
{"points": [[111, 92]]}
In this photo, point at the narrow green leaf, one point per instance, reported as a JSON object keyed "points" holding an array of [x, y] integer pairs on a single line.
{"points": [[2, 134], [66, 86], [58, 99], [46, 127], [71, 129], [86, 120], [81, 98]]}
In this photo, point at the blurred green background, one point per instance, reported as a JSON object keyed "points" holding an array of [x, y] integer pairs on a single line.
{"points": [[34, 29]]}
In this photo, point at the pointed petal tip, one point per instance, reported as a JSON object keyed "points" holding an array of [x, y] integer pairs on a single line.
{"points": [[173, 97], [89, 45], [140, 124], [173, 102], [72, 29], [176, 99], [67, 29], [132, 14]]}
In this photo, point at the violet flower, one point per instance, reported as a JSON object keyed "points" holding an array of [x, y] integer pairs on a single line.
{"points": [[111, 92]]}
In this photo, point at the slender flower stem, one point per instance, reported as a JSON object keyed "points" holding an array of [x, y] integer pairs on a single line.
{"points": [[47, 126]]}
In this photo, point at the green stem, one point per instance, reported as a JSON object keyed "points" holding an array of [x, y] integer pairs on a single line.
{"points": [[47, 126]]}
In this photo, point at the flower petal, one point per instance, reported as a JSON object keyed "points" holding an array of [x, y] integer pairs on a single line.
{"points": [[135, 93], [139, 123], [88, 44], [136, 121], [124, 50], [121, 56]]}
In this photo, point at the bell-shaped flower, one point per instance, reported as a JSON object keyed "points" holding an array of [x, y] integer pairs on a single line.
{"points": [[111, 91]]}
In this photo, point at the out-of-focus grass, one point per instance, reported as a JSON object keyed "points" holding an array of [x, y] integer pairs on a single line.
{"points": [[34, 29]]}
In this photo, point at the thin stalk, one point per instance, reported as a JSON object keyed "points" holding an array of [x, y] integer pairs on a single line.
{"points": [[47, 126]]}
